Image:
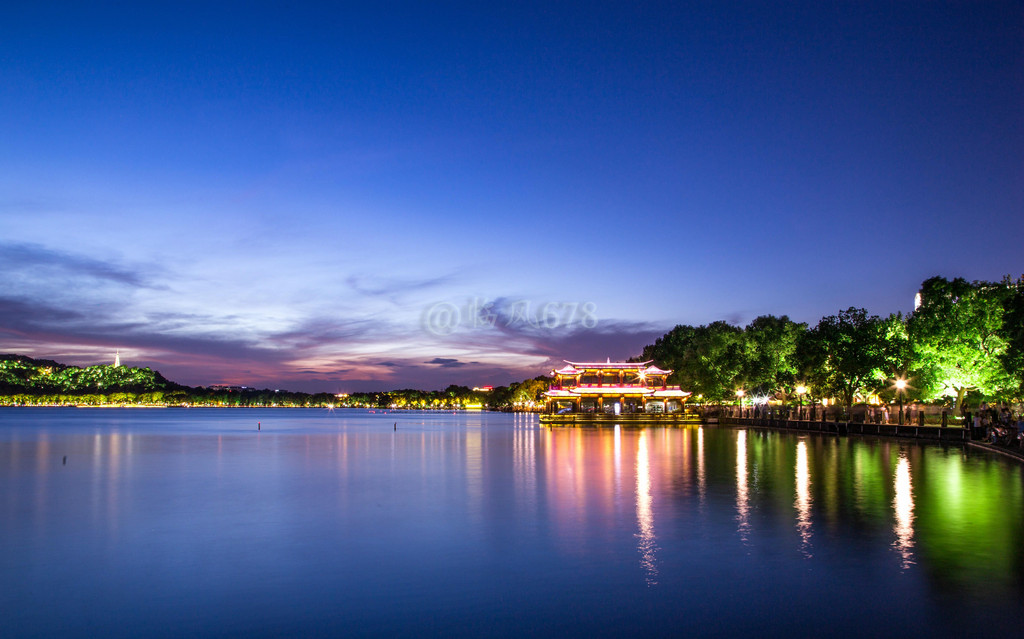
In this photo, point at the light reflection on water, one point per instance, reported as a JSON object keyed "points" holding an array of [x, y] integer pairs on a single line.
{"points": [[903, 509], [803, 498], [644, 512], [742, 495], [191, 523]]}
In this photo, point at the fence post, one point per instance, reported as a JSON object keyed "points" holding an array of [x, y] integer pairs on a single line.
{"points": [[945, 419]]}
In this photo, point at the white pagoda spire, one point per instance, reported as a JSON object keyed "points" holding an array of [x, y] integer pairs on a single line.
{"points": [[117, 358]]}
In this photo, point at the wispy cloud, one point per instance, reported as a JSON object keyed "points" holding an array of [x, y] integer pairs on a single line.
{"points": [[393, 288], [33, 263], [446, 362], [346, 351]]}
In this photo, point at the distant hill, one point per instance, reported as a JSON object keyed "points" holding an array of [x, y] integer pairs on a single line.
{"points": [[42, 382], [20, 374]]}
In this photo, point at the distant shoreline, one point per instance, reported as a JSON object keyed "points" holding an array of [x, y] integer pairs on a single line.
{"points": [[361, 408]]}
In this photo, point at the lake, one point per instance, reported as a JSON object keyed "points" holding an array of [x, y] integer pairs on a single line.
{"points": [[191, 522]]}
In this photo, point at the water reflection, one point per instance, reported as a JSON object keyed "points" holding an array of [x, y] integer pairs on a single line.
{"points": [[644, 513], [358, 520], [524, 456], [742, 495], [903, 508], [803, 498], [701, 480], [618, 459]]}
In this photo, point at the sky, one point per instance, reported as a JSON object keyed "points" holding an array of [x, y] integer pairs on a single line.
{"points": [[342, 197]]}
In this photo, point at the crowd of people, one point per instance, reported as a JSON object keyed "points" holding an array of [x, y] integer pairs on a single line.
{"points": [[1000, 425]]}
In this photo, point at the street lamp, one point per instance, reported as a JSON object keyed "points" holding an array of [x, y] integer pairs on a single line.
{"points": [[800, 390], [739, 396], [901, 385]]}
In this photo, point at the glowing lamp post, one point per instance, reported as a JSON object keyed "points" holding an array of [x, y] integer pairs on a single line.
{"points": [[739, 397], [901, 385], [800, 391]]}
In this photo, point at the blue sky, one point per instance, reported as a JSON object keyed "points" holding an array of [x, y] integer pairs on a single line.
{"points": [[313, 197]]}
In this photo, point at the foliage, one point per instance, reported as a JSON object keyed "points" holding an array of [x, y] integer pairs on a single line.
{"points": [[958, 338], [34, 376], [715, 360], [770, 361], [846, 354], [706, 360], [1013, 333]]}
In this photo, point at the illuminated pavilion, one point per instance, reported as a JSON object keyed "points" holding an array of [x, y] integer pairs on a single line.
{"points": [[613, 388]]}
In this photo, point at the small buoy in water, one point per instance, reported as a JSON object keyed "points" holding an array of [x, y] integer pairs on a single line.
{"points": [[65, 460]]}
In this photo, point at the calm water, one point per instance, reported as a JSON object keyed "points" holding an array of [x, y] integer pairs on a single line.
{"points": [[189, 522]]}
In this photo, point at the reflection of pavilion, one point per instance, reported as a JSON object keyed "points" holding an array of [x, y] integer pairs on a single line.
{"points": [[617, 389]]}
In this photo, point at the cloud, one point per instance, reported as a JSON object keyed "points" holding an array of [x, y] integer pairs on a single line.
{"points": [[445, 362], [393, 288], [56, 267], [42, 315]]}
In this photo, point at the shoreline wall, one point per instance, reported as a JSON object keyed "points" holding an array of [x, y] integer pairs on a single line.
{"points": [[913, 431]]}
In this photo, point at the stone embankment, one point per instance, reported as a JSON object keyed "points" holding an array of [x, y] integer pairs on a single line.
{"points": [[939, 433]]}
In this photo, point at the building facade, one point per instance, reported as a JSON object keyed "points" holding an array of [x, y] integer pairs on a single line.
{"points": [[613, 388]]}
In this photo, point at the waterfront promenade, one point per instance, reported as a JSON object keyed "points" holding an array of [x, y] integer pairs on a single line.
{"points": [[914, 431], [908, 431]]}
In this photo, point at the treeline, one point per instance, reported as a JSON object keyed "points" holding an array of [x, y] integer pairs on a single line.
{"points": [[20, 374], [523, 395], [34, 382], [965, 339]]}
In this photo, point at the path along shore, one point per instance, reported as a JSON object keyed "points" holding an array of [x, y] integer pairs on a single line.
{"points": [[905, 431]]}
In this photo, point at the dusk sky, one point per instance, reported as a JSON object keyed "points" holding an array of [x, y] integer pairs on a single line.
{"points": [[391, 195]]}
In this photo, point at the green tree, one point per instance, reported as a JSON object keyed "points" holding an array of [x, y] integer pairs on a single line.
{"points": [[770, 354], [845, 354], [958, 338], [712, 365], [669, 351], [1013, 333]]}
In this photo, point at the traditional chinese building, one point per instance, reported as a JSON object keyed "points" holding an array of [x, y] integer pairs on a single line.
{"points": [[613, 388]]}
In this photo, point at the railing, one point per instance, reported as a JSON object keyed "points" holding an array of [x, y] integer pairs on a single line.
{"points": [[856, 428]]}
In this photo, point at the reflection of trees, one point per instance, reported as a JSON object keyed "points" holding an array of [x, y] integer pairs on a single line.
{"points": [[957, 518]]}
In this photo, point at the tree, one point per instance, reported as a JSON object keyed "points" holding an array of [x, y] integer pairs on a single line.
{"points": [[958, 338], [770, 354], [1013, 333], [670, 349], [845, 354], [713, 361], [896, 355]]}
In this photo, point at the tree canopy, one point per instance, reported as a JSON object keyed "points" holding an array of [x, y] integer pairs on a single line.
{"points": [[959, 340], [965, 337]]}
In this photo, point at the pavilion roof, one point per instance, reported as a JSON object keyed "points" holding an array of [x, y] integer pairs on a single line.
{"points": [[609, 364], [671, 392], [558, 393], [654, 370], [568, 369]]}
